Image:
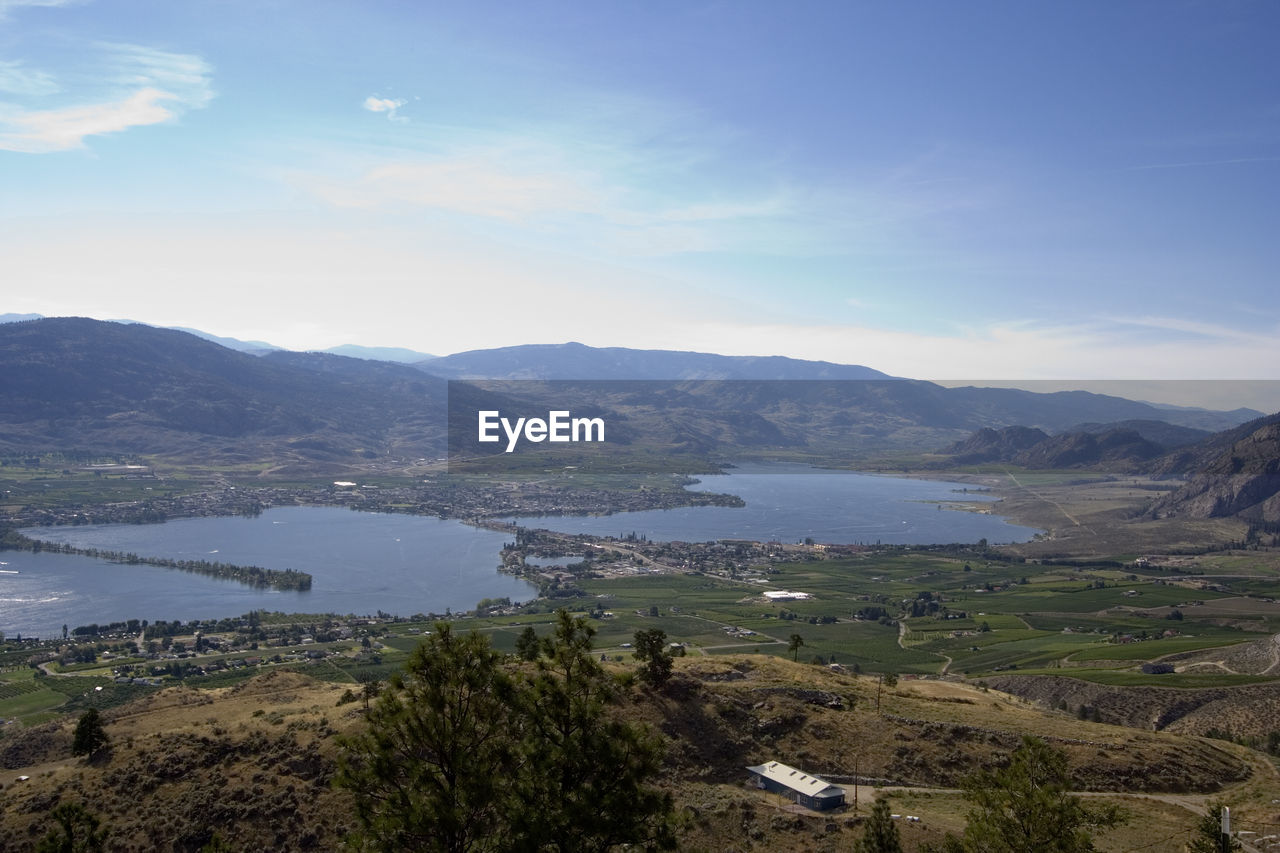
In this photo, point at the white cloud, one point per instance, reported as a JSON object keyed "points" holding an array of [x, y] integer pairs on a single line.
{"points": [[20, 81], [59, 130], [129, 86], [389, 106]]}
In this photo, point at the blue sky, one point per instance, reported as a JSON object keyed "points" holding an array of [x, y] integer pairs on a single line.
{"points": [[934, 189]]}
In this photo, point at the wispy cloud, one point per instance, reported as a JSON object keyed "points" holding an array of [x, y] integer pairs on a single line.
{"points": [[132, 86], [17, 80], [390, 106], [1171, 326], [475, 185], [6, 5], [185, 75], [1000, 351]]}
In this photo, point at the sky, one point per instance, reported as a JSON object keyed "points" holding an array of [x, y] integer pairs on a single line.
{"points": [[1050, 191]]}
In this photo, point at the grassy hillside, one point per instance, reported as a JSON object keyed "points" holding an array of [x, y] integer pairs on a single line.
{"points": [[254, 761]]}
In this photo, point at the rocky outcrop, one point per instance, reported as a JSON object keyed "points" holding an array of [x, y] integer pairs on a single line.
{"points": [[1242, 481], [1120, 450]]}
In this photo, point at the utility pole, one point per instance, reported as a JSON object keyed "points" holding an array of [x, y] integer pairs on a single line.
{"points": [[855, 784], [1226, 829]]}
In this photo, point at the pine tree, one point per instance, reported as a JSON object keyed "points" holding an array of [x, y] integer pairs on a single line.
{"points": [[77, 831], [585, 783], [1026, 807], [428, 772], [89, 736], [794, 644], [469, 751], [651, 651], [527, 645], [881, 833]]}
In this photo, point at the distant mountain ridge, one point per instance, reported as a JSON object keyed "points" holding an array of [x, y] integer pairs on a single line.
{"points": [[1128, 446], [579, 361], [395, 354], [80, 384], [399, 355]]}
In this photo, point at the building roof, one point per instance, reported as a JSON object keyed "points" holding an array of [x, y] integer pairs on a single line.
{"points": [[796, 780]]}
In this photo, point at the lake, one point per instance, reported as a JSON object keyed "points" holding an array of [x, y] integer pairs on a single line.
{"points": [[789, 503], [401, 564], [360, 563]]}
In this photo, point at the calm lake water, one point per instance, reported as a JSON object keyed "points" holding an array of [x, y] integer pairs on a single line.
{"points": [[360, 563], [791, 503], [365, 562]]}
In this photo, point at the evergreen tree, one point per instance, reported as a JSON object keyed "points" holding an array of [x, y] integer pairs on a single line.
{"points": [[470, 751], [527, 644], [651, 651], [794, 644], [77, 831], [586, 773], [429, 771], [1026, 807], [89, 736], [881, 833]]}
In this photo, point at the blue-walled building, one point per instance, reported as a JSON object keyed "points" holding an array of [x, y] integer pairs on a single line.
{"points": [[809, 791]]}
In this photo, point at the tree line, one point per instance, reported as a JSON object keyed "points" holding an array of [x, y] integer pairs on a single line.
{"points": [[254, 576]]}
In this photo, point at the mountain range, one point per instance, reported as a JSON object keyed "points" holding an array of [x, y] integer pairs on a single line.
{"points": [[1129, 447], [578, 361], [399, 355], [74, 384]]}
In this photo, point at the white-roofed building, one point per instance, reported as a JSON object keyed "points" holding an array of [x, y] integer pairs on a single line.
{"points": [[806, 789], [786, 595]]}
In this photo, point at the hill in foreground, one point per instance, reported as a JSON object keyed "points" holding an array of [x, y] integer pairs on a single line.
{"points": [[254, 762]]}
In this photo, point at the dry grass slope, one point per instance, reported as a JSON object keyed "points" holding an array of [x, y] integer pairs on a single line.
{"points": [[255, 761]]}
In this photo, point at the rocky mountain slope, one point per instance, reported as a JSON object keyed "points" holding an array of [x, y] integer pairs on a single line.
{"points": [[1245, 711], [1241, 479], [1123, 450]]}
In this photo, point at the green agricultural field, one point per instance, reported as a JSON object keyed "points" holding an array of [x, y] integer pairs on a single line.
{"points": [[23, 696], [1066, 599], [1134, 678], [1111, 623], [1152, 649], [1037, 651], [869, 644]]}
